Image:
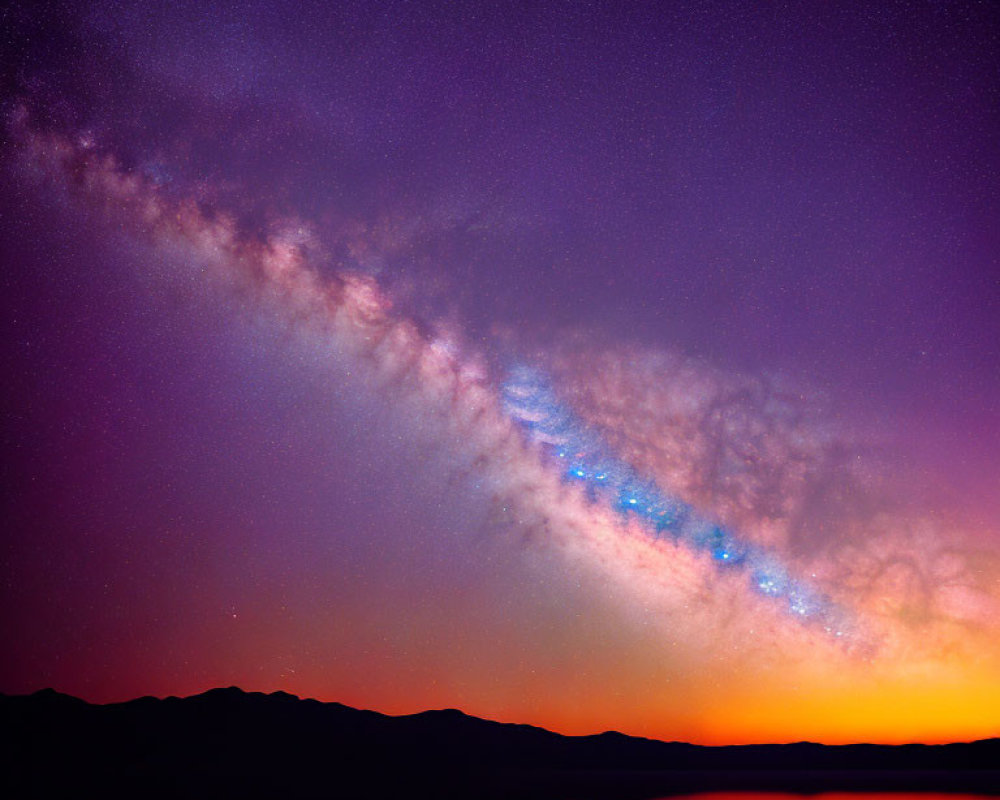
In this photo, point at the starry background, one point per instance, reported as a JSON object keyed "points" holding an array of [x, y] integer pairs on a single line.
{"points": [[752, 247]]}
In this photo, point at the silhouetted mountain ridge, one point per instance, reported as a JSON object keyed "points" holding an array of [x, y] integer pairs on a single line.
{"points": [[227, 741]]}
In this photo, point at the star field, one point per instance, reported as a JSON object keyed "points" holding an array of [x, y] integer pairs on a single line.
{"points": [[586, 366]]}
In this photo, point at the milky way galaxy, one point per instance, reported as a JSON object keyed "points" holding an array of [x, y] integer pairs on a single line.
{"points": [[430, 358]]}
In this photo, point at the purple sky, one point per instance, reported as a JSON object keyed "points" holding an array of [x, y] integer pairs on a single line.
{"points": [[734, 195]]}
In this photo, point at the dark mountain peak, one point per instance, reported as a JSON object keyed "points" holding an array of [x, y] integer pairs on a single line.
{"points": [[233, 694], [228, 693], [618, 736], [49, 695], [444, 713], [146, 700]]}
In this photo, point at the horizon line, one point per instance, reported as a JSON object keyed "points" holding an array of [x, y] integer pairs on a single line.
{"points": [[49, 690]]}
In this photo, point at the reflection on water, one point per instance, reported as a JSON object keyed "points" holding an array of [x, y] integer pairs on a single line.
{"points": [[828, 796]]}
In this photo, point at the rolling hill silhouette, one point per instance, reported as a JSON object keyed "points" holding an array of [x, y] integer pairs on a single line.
{"points": [[231, 743]]}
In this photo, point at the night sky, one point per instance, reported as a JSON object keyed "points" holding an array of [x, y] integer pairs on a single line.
{"points": [[596, 366]]}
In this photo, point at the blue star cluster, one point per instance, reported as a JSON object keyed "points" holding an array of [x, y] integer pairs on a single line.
{"points": [[587, 461]]}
